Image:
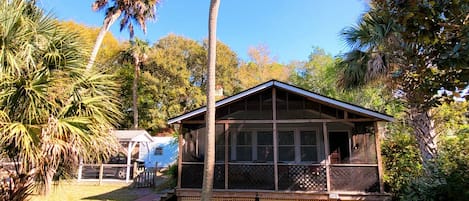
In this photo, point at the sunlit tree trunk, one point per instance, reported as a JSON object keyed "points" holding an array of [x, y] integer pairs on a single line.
{"points": [[108, 21], [424, 130], [209, 163], [135, 91]]}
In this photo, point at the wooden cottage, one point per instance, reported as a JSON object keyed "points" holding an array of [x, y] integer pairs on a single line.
{"points": [[276, 141]]}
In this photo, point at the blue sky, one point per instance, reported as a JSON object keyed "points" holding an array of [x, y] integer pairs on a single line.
{"points": [[290, 29]]}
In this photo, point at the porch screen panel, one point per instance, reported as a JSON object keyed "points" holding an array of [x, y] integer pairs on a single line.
{"points": [[243, 146], [251, 157], [194, 143], [294, 106], [219, 143], [264, 146], [251, 143], [257, 106], [309, 146], [286, 146], [300, 143], [193, 140], [363, 144]]}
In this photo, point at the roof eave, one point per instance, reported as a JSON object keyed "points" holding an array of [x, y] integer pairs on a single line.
{"points": [[288, 87]]}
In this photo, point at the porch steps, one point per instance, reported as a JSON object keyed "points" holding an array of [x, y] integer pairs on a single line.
{"points": [[169, 195]]}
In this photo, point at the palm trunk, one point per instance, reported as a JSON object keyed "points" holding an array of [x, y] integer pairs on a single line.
{"points": [[49, 175], [108, 21], [209, 163], [425, 133], [134, 93]]}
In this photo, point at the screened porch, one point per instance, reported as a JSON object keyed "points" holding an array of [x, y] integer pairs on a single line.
{"points": [[245, 157], [279, 138]]}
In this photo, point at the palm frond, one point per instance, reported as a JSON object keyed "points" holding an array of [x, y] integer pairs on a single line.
{"points": [[51, 109], [353, 69]]}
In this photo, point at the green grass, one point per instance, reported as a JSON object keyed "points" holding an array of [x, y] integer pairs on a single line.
{"points": [[91, 191]]}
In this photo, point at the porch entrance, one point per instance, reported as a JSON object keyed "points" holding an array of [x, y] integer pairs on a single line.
{"points": [[339, 146]]}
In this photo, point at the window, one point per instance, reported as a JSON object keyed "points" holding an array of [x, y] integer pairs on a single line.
{"points": [[252, 146], [294, 145], [159, 151], [286, 146], [243, 146], [298, 146], [309, 146], [265, 146]]}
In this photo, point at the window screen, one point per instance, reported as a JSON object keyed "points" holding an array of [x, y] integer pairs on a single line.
{"points": [[309, 146], [286, 148]]}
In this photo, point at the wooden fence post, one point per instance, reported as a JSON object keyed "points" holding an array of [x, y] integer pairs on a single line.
{"points": [[135, 173], [80, 170], [156, 174], [101, 170]]}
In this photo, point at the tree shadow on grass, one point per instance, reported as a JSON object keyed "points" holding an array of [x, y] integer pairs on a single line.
{"points": [[122, 194]]}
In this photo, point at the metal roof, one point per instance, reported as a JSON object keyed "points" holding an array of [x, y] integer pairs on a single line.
{"points": [[289, 88], [133, 136]]}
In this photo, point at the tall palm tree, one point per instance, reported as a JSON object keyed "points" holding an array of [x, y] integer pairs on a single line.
{"points": [[414, 50], [209, 163], [136, 54], [377, 55], [138, 11], [52, 110]]}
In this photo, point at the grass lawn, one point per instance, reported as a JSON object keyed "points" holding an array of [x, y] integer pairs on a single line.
{"points": [[92, 191]]}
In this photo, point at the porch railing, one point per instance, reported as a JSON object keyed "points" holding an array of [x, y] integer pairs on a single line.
{"points": [[251, 176], [354, 177], [193, 172], [302, 177], [291, 177]]}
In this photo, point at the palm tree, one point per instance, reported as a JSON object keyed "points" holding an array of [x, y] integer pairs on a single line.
{"points": [[369, 59], [415, 55], [52, 110], [136, 54], [138, 11], [209, 162], [376, 56]]}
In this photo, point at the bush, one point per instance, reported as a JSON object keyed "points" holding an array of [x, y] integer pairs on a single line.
{"points": [[401, 162], [172, 173], [446, 177]]}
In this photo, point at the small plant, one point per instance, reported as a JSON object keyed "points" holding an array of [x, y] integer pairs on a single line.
{"points": [[15, 187]]}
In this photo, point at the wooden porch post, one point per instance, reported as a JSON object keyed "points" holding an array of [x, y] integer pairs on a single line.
{"points": [[274, 127], [378, 155], [130, 147], [226, 127], [180, 152], [327, 152]]}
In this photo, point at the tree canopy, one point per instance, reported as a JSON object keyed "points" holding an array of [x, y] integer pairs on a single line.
{"points": [[417, 48]]}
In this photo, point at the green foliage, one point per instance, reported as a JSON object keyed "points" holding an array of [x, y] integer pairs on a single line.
{"points": [[110, 47], [419, 47], [260, 68], [448, 178], [319, 74], [451, 118], [172, 172], [51, 109], [446, 175], [167, 79], [401, 159], [415, 49], [226, 68], [130, 12], [173, 80]]}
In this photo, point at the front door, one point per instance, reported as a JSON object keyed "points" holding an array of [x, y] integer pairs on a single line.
{"points": [[339, 147]]}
